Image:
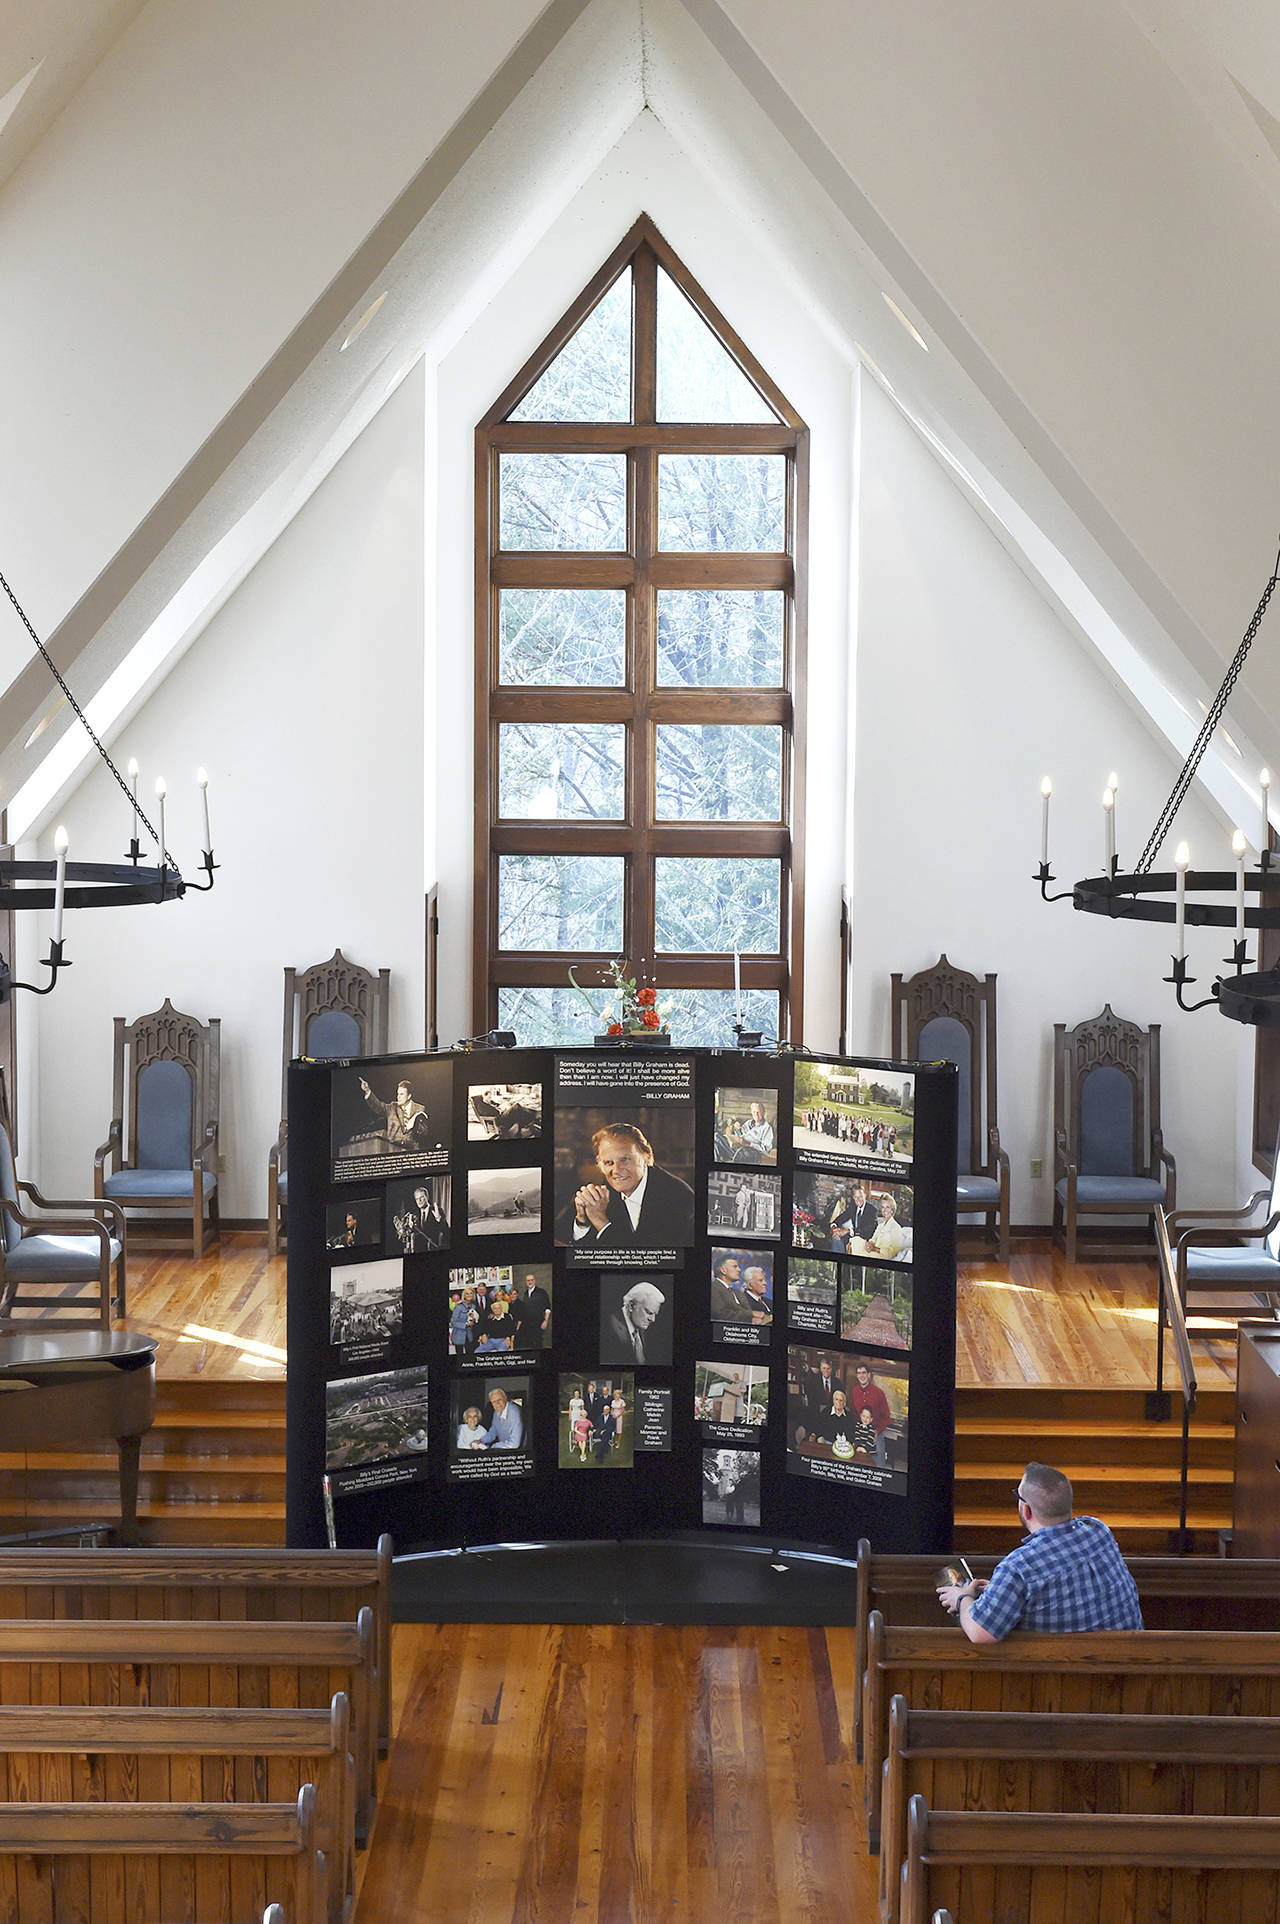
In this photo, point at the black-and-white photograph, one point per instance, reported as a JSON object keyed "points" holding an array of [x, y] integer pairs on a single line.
{"points": [[847, 1418], [386, 1118], [731, 1488], [636, 1319], [366, 1308], [356, 1224], [744, 1202], [623, 1156], [731, 1401], [491, 1427], [812, 1294], [376, 1419], [504, 1202], [418, 1211], [504, 1111], [853, 1114], [746, 1125]]}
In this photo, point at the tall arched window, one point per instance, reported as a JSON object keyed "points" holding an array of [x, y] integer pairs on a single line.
{"points": [[640, 508]]}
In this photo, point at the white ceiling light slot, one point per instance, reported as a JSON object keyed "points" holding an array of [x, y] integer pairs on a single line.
{"points": [[358, 328], [912, 330]]}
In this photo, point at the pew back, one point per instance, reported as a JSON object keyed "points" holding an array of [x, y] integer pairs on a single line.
{"points": [[321, 1586], [1165, 1766], [1117, 1672], [1010, 1867], [187, 1864]]}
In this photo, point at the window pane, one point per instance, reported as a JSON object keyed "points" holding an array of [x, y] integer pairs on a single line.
{"points": [[710, 773], [553, 771], [547, 1018], [698, 379], [563, 501], [719, 638], [563, 637], [590, 378], [560, 902], [717, 903], [704, 1017], [721, 503]]}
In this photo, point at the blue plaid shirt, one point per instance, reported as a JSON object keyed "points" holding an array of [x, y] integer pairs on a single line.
{"points": [[1067, 1576]]}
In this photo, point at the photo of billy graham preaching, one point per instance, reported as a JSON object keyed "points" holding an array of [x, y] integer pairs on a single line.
{"points": [[615, 1194]]}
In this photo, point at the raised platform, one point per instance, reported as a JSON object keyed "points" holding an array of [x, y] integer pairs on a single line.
{"points": [[1051, 1363]]}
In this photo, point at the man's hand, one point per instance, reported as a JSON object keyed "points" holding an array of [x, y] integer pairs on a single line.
{"points": [[591, 1204], [949, 1594]]}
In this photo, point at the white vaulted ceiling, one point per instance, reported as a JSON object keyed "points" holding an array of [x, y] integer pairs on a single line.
{"points": [[1077, 207]]}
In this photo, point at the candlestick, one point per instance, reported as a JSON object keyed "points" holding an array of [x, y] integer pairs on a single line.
{"points": [[61, 842], [1181, 862], [161, 792], [202, 778], [133, 777], [1109, 819], [1238, 847], [1046, 790], [737, 988]]}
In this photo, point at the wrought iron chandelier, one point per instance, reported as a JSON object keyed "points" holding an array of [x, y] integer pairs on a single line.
{"points": [[1244, 992], [61, 885]]}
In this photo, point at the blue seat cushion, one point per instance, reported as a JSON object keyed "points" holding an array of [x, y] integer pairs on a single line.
{"points": [[982, 1191], [127, 1183], [1223, 1268], [49, 1258], [1141, 1191]]}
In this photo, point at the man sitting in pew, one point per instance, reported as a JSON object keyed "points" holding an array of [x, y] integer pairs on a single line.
{"points": [[1066, 1574]]}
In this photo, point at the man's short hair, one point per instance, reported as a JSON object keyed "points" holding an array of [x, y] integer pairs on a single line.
{"points": [[645, 1293], [625, 1132], [1048, 1492]]}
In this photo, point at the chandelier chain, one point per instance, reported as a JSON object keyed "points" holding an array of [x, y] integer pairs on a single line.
{"points": [[1212, 717], [82, 718]]}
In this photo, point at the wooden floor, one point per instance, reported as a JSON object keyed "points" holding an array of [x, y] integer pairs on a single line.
{"points": [[577, 1774], [1030, 1323]]}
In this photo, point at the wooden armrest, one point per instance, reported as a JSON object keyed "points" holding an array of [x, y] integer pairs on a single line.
{"points": [[1225, 1238], [1193, 1216], [113, 1141], [96, 1205], [58, 1225]]}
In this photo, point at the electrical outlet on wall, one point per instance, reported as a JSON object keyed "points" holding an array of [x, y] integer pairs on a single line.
{"points": [[1037, 1166], [222, 1165]]}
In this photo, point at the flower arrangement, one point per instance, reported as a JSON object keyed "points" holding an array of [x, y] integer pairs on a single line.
{"points": [[632, 1007]]}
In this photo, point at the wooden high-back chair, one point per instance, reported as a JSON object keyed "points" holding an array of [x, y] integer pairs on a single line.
{"points": [[944, 1014], [332, 1009], [161, 1154], [1109, 1155]]}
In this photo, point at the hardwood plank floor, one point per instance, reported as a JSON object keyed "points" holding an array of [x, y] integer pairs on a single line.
{"points": [[543, 1774]]}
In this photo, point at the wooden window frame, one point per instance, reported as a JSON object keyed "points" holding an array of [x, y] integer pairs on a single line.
{"points": [[642, 571]]}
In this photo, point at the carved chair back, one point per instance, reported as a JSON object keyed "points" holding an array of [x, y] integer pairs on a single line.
{"points": [[333, 1009], [1106, 1094], [165, 1085], [944, 1014]]}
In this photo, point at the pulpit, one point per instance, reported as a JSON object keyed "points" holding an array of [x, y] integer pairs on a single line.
{"points": [[78, 1386]]}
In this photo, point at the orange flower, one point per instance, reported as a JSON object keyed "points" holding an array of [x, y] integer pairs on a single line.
{"points": [[646, 998], [615, 1028], [651, 1018]]}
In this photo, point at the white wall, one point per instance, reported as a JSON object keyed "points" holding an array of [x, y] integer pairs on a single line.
{"points": [[968, 691], [304, 699]]}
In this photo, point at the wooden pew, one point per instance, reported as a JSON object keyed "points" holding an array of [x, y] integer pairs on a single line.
{"points": [[1150, 1672], [187, 1864], [1019, 1867], [106, 1754], [1177, 1593], [1042, 1761], [324, 1586], [241, 1665]]}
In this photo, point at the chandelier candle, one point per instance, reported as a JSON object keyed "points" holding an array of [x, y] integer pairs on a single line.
{"points": [[161, 792], [1181, 862], [1238, 846], [202, 779], [1109, 820], [61, 843], [133, 779], [1264, 783], [1046, 790]]}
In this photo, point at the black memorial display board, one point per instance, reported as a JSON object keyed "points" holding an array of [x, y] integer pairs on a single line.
{"points": [[615, 1293]]}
